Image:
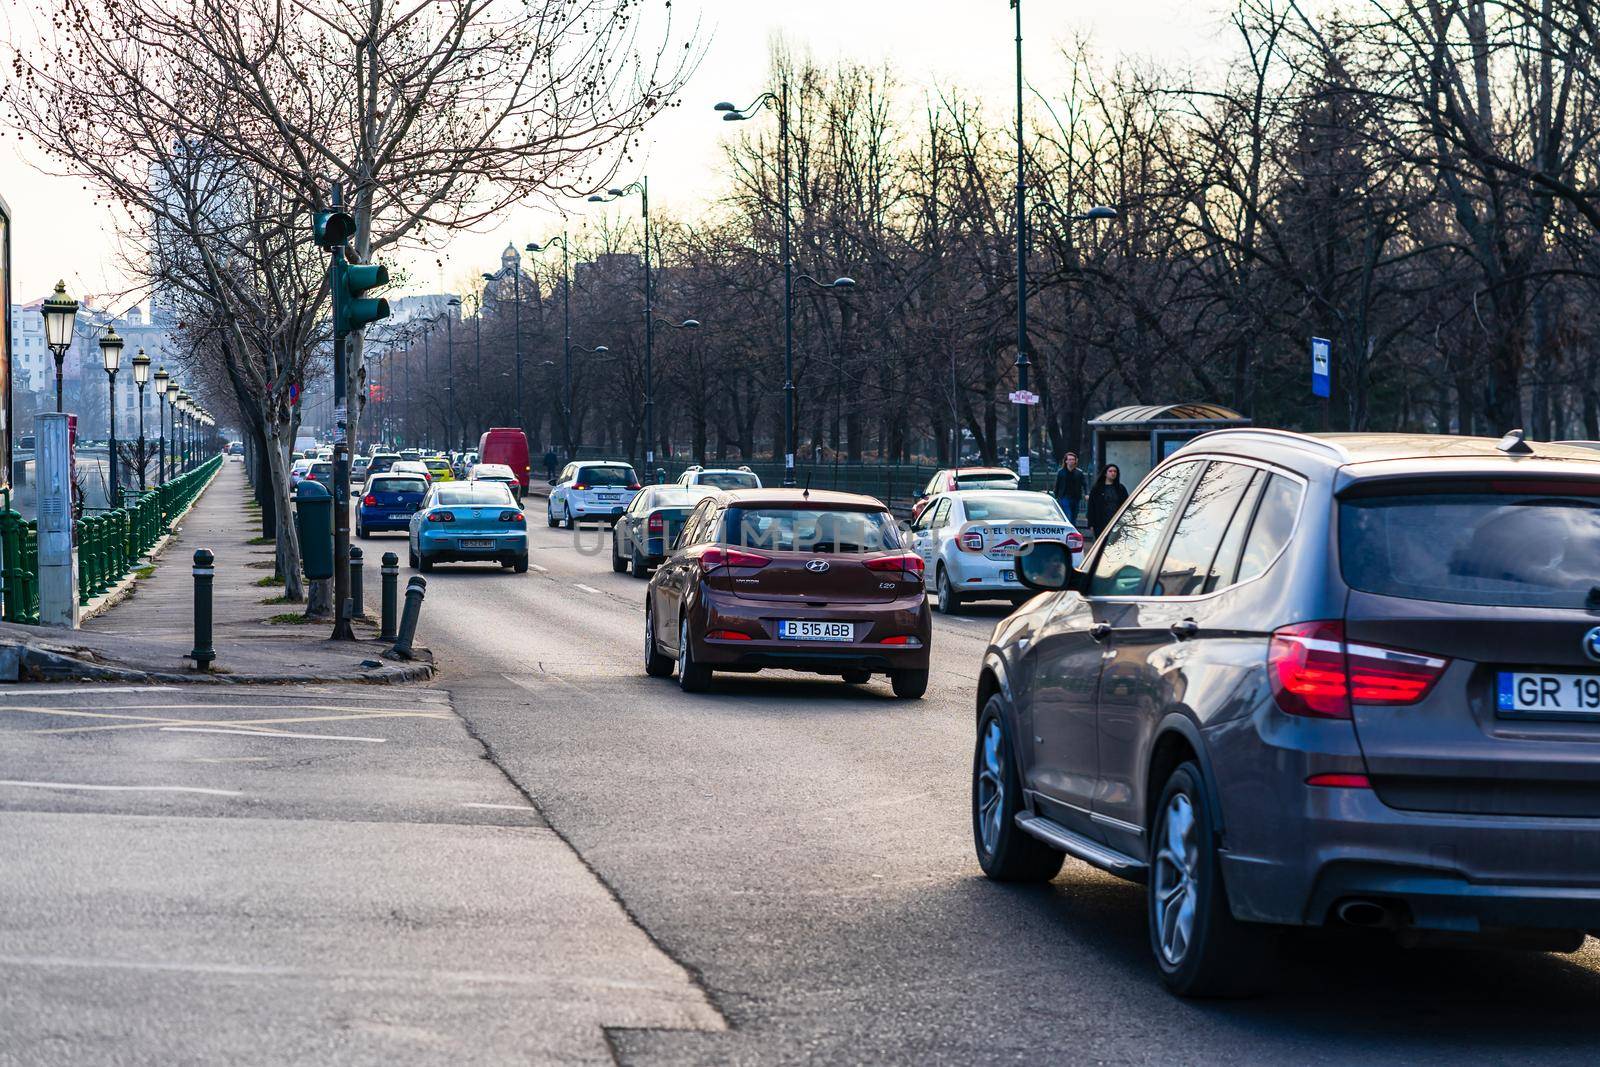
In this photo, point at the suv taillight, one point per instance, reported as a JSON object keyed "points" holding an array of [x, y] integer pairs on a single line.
{"points": [[1315, 673], [712, 558]]}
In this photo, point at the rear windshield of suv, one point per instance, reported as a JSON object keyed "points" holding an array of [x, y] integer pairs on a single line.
{"points": [[1504, 544], [608, 476], [811, 530]]}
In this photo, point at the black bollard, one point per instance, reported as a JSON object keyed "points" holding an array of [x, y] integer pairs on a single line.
{"points": [[358, 593], [202, 653], [391, 596], [416, 589]]}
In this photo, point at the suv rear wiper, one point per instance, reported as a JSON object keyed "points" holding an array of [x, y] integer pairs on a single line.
{"points": [[1593, 599]]}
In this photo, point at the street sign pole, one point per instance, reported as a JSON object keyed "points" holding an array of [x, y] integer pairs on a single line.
{"points": [[1322, 375], [341, 451]]}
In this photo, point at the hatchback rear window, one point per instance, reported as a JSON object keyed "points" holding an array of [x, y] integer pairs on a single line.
{"points": [[730, 480], [811, 530], [987, 480], [609, 476], [397, 485], [1497, 545]]}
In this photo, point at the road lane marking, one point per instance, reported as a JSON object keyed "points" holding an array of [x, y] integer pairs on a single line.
{"points": [[499, 807], [587, 588], [541, 570], [39, 690], [148, 722], [265, 733], [124, 788]]}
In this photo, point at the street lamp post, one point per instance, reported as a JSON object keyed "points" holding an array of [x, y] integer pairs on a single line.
{"points": [[642, 187], [566, 344], [141, 375], [163, 382], [60, 314], [450, 438], [111, 357], [180, 450]]}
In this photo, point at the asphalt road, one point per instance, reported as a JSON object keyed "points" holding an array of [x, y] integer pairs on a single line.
{"points": [[803, 848]]}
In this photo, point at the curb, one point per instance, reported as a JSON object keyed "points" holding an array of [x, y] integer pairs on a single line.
{"points": [[40, 663]]}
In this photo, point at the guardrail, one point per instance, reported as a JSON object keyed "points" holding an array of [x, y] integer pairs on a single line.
{"points": [[109, 544]]}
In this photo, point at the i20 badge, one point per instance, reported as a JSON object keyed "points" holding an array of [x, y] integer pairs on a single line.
{"points": [[1591, 644]]}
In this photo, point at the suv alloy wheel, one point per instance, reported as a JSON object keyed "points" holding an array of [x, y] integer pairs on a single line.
{"points": [[1005, 853]]}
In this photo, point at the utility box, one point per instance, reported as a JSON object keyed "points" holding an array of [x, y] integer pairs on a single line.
{"points": [[58, 588], [313, 520]]}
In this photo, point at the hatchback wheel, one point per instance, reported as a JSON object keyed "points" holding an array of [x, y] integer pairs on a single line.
{"points": [[1202, 950], [550, 516], [949, 602], [1005, 853], [618, 564], [909, 684], [692, 677], [656, 665]]}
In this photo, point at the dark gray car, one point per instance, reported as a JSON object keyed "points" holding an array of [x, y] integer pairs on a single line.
{"points": [[1351, 679]]}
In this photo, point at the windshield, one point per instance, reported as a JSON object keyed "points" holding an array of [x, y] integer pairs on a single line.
{"points": [[610, 476], [986, 480], [811, 530], [474, 494], [1530, 545], [396, 485], [674, 497], [729, 479], [1000, 507]]}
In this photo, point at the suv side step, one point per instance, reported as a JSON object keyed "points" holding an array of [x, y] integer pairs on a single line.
{"points": [[1074, 844]]}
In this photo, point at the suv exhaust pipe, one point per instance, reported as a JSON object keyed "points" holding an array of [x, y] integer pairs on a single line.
{"points": [[1368, 914]]}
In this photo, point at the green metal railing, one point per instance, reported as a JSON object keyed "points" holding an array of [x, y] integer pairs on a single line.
{"points": [[109, 544]]}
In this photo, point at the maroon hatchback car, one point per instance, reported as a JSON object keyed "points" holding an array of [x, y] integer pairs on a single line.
{"points": [[791, 579]]}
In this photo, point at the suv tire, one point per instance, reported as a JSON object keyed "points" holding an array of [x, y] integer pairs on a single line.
{"points": [[1005, 852], [1200, 948]]}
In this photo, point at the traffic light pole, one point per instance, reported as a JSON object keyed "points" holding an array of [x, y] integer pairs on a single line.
{"points": [[341, 455]]}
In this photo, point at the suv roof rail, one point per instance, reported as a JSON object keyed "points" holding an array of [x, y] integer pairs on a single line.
{"points": [[1281, 437]]}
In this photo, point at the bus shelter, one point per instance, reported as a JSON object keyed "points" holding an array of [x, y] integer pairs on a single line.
{"points": [[1139, 436]]}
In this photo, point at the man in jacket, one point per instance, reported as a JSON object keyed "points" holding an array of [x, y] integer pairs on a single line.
{"points": [[1070, 484]]}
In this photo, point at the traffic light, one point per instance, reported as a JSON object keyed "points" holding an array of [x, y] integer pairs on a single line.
{"points": [[332, 229], [351, 308]]}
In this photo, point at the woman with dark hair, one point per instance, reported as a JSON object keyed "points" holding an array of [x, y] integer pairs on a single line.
{"points": [[1106, 497]]}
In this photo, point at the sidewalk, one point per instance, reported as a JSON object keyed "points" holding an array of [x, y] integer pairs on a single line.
{"points": [[146, 635]]}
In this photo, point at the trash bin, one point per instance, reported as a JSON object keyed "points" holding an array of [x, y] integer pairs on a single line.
{"points": [[313, 520]]}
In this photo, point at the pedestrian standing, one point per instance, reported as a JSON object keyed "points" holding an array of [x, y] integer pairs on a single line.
{"points": [[550, 459], [1106, 497], [1070, 484]]}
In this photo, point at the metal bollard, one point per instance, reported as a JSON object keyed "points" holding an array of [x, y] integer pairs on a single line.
{"points": [[358, 592], [416, 589], [204, 574], [391, 596]]}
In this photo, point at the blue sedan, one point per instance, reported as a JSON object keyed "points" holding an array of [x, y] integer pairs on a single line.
{"points": [[469, 521]]}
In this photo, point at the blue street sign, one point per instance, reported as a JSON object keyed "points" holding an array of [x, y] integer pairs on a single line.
{"points": [[1321, 357]]}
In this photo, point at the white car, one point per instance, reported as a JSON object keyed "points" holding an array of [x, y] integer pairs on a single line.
{"points": [[969, 541], [358, 470], [495, 472], [591, 490], [721, 477], [412, 466], [299, 470]]}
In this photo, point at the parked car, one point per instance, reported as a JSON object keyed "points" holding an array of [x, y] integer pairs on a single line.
{"points": [[496, 472], [508, 446], [785, 578], [1345, 681], [388, 501], [952, 478], [381, 462], [969, 541], [594, 490], [720, 477], [644, 534], [475, 521]]}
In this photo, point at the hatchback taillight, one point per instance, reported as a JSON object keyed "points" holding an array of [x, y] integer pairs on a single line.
{"points": [[715, 557], [580, 487], [1314, 672], [634, 485], [906, 562], [369, 501]]}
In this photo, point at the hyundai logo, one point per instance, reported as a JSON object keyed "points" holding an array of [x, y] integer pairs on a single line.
{"points": [[1591, 644], [817, 566]]}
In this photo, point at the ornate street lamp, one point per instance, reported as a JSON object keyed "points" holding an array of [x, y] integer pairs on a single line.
{"points": [[163, 382], [111, 357], [60, 315], [450, 438], [141, 376]]}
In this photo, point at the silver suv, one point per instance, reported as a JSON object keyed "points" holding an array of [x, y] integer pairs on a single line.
{"points": [[1351, 679]]}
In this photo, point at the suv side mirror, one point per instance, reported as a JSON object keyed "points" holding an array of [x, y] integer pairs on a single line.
{"points": [[1047, 566]]}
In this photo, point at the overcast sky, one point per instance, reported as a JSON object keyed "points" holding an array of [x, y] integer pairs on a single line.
{"points": [[59, 231]]}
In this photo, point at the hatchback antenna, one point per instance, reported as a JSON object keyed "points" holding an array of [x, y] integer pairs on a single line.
{"points": [[806, 492], [1512, 444]]}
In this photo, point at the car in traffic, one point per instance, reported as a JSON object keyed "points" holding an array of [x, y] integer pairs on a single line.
{"points": [[381, 462], [468, 522], [969, 541], [412, 466], [358, 469], [591, 490], [507, 445], [641, 538], [1343, 681], [299, 469], [388, 502], [439, 468], [496, 472], [720, 477], [791, 579], [951, 479], [321, 471]]}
